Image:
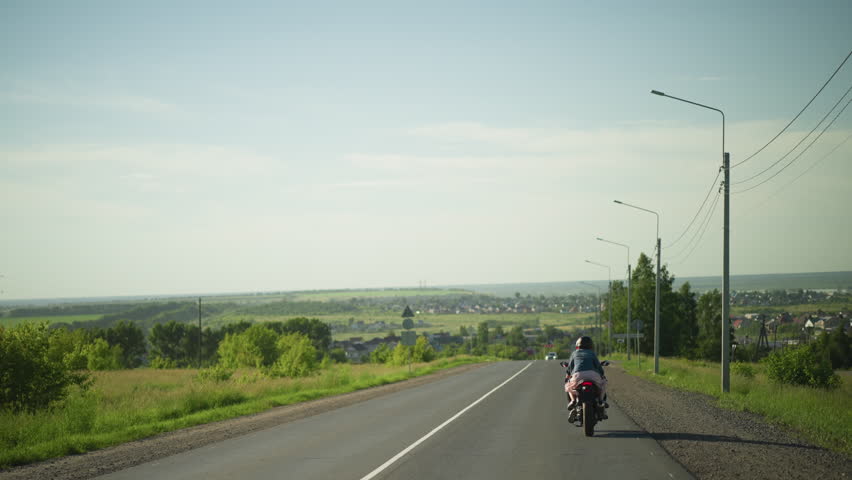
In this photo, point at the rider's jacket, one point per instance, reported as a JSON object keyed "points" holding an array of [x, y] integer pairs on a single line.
{"points": [[582, 360]]}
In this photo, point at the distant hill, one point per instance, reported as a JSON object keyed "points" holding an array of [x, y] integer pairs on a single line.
{"points": [[775, 281]]}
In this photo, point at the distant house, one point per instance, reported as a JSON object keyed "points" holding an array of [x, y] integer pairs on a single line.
{"points": [[738, 323]]}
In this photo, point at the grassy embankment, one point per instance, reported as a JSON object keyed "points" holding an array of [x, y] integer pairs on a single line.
{"points": [[824, 417], [132, 404]]}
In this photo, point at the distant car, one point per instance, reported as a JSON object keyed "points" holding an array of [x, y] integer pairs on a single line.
{"points": [[550, 356]]}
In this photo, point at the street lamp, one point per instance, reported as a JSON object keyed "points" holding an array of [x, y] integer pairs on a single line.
{"points": [[657, 293], [597, 311], [726, 166], [629, 282], [609, 299]]}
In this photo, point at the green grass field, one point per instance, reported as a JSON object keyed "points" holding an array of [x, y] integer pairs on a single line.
{"points": [[12, 321], [823, 416], [131, 404]]}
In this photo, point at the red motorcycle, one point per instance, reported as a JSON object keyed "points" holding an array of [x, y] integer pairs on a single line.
{"points": [[589, 409]]}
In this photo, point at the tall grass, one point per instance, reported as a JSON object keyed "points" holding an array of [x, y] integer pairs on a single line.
{"points": [[824, 417], [132, 404]]}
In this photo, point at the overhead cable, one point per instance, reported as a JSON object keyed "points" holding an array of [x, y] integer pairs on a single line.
{"points": [[699, 210], [798, 114], [801, 153], [800, 141]]}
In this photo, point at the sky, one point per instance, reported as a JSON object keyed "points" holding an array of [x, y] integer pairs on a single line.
{"points": [[152, 148]]}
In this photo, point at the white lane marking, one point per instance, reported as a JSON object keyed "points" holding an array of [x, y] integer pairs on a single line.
{"points": [[411, 447]]}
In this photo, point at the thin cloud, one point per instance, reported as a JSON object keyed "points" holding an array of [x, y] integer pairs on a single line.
{"points": [[131, 103]]}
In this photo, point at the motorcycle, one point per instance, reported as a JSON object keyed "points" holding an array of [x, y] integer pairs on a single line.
{"points": [[589, 409]]}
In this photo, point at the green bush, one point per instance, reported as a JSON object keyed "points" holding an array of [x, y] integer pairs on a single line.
{"points": [[297, 356], [100, 356], [381, 354], [804, 365], [216, 373], [254, 347], [162, 363], [29, 379], [742, 369]]}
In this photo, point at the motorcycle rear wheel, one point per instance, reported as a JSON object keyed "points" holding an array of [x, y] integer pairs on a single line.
{"points": [[589, 419]]}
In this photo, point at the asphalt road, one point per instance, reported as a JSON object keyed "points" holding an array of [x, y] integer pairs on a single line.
{"points": [[436, 431]]}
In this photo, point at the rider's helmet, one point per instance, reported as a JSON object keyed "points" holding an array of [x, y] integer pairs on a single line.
{"points": [[585, 343]]}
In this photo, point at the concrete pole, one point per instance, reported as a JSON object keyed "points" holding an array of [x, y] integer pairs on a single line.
{"points": [[629, 288], [657, 314], [726, 303]]}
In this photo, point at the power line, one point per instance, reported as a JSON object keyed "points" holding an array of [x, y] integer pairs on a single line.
{"points": [[699, 234], [802, 152], [682, 259], [798, 114], [800, 141], [804, 172], [699, 210]]}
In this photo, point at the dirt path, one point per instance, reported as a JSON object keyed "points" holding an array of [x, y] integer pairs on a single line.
{"points": [[714, 443]]}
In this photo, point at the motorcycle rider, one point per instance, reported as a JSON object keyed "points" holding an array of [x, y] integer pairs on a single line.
{"points": [[584, 365]]}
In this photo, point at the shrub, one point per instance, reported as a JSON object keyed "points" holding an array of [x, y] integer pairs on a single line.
{"points": [[423, 351], [381, 354], [29, 379], [254, 347], [804, 365], [100, 356], [161, 362], [742, 369], [297, 356], [216, 373], [338, 355]]}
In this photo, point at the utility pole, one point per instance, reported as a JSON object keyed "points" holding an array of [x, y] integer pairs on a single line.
{"points": [[726, 306], [199, 333], [629, 318]]}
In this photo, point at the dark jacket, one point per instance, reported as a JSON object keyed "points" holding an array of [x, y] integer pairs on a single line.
{"points": [[582, 360]]}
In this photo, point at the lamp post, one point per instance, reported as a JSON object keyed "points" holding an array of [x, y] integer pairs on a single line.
{"points": [[629, 282], [608, 301], [726, 166], [597, 310], [657, 290]]}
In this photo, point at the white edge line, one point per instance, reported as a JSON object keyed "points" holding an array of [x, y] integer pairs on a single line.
{"points": [[414, 445]]}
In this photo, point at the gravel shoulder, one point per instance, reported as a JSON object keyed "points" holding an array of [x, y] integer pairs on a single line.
{"points": [[714, 443], [101, 462]]}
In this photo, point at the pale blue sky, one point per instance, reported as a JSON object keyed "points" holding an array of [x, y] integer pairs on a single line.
{"points": [[148, 148]]}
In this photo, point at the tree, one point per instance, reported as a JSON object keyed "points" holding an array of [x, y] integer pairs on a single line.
{"points": [[256, 347], [423, 351], [709, 318], [131, 340], [29, 378], [483, 337], [318, 332], [516, 337], [381, 354], [101, 356], [297, 357], [167, 342]]}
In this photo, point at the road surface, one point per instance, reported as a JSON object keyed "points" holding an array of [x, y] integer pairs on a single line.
{"points": [[504, 421]]}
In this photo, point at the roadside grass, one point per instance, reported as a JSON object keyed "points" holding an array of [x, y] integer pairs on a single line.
{"points": [[823, 417], [132, 404], [12, 321]]}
